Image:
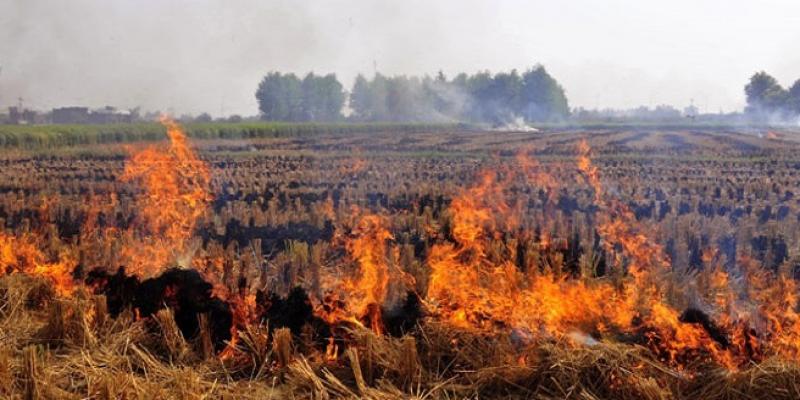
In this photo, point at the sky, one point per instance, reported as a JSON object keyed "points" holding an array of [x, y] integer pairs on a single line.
{"points": [[208, 56]]}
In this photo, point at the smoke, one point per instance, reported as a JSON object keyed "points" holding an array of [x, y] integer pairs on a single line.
{"points": [[761, 117], [516, 125]]}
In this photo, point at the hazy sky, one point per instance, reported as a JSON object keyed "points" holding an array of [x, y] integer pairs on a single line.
{"points": [[193, 56]]}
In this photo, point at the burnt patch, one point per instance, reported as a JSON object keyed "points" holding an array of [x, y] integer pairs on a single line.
{"points": [[182, 290], [293, 311], [694, 316], [404, 317]]}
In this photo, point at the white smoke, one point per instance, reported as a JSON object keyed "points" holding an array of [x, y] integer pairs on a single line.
{"points": [[517, 124]]}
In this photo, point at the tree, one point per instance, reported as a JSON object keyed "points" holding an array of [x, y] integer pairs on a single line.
{"points": [[360, 98], [280, 97], [479, 87], [322, 98], [503, 100], [287, 98], [400, 99], [379, 93], [793, 101], [333, 98], [764, 94], [542, 97], [481, 97], [204, 117]]}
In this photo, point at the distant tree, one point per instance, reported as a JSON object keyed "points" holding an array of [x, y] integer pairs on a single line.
{"points": [[322, 98], [479, 87], [360, 97], [400, 99], [204, 117], [481, 97], [280, 97], [504, 96], [333, 98], [378, 98], [442, 100], [765, 95], [235, 118], [542, 97], [793, 101]]}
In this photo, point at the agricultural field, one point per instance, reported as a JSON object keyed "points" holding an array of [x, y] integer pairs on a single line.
{"points": [[400, 261]]}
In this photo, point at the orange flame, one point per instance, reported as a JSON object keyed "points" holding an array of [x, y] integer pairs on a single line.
{"points": [[365, 292], [176, 192], [23, 255]]}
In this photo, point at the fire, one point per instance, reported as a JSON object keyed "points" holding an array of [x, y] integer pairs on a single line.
{"points": [[646, 262], [738, 336], [175, 193], [368, 290], [734, 315], [473, 292], [22, 254], [364, 293]]}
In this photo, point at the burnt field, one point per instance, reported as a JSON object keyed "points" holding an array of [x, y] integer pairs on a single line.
{"points": [[603, 264]]}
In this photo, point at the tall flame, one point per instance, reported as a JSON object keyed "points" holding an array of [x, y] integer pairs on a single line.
{"points": [[358, 298], [175, 193]]}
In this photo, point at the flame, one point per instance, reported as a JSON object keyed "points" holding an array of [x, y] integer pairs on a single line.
{"points": [[355, 164], [175, 192], [353, 167], [360, 297], [471, 291], [771, 135], [22, 254], [648, 266], [367, 291]]}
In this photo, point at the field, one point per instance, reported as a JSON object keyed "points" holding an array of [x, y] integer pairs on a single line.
{"points": [[387, 261]]}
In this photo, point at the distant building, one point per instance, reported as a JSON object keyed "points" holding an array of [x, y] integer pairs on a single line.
{"points": [[110, 115], [25, 116], [14, 116], [71, 115], [82, 115]]}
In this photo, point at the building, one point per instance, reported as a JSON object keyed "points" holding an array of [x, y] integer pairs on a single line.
{"points": [[24, 116], [109, 115], [71, 115]]}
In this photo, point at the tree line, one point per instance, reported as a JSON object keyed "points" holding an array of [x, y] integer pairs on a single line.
{"points": [[767, 99], [532, 96]]}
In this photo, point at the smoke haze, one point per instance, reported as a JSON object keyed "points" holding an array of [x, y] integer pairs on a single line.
{"points": [[208, 56]]}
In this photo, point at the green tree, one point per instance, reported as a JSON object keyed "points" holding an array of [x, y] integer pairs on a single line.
{"points": [[360, 97], [764, 94], [333, 96], [542, 98], [481, 97], [280, 97], [322, 98]]}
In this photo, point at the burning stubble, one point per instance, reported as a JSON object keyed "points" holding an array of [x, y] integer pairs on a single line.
{"points": [[484, 275]]}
